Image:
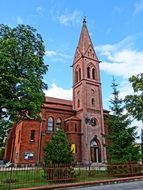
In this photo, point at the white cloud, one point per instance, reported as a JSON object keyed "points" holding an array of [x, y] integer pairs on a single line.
{"points": [[138, 7], [125, 89], [50, 53], [69, 18], [19, 20], [40, 11], [138, 124], [121, 59], [58, 92], [58, 55]]}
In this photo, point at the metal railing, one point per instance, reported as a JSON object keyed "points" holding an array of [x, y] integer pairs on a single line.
{"points": [[45, 175], [124, 170], [59, 172], [21, 177]]}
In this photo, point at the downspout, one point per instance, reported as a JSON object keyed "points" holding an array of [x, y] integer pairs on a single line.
{"points": [[39, 142]]}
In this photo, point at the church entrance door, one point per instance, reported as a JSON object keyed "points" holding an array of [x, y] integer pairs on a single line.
{"points": [[95, 152]]}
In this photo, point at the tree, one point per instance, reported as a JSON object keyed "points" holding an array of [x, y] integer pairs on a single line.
{"points": [[121, 138], [58, 150], [4, 125], [142, 143], [21, 72], [134, 103]]}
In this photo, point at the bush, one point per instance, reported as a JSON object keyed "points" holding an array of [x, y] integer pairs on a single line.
{"points": [[2, 149]]}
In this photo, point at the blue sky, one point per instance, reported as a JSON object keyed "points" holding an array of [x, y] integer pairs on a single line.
{"points": [[115, 27]]}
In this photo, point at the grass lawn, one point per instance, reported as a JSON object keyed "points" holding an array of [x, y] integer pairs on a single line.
{"points": [[14, 179], [92, 175], [22, 178]]}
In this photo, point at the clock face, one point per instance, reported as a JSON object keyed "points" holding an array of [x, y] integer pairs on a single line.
{"points": [[91, 121]]}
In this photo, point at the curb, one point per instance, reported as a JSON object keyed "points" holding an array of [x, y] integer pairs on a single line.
{"points": [[89, 183]]}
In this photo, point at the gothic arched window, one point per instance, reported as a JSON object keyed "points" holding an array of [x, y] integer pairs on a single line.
{"points": [[93, 73], [79, 74], [92, 101], [76, 76], [50, 124], [78, 103], [58, 123], [88, 72]]}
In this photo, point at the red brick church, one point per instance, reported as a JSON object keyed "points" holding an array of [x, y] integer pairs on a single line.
{"points": [[83, 118]]}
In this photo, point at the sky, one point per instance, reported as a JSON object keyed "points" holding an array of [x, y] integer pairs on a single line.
{"points": [[115, 27]]}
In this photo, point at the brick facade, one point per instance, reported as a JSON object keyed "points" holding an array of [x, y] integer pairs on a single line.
{"points": [[82, 119]]}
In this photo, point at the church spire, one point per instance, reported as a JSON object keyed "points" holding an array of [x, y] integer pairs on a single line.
{"points": [[84, 40]]}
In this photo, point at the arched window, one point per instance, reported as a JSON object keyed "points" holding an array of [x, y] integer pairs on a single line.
{"points": [[50, 124], [92, 101], [88, 72], [79, 74], [58, 123], [78, 103], [76, 76], [93, 73]]}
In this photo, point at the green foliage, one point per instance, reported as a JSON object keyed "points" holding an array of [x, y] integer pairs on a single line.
{"points": [[58, 150], [21, 72], [134, 103], [121, 139], [142, 143], [4, 125], [2, 149]]}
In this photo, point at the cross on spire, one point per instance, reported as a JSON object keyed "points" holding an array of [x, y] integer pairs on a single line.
{"points": [[84, 20]]}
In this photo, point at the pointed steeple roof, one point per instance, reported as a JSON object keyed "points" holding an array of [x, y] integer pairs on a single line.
{"points": [[84, 40], [85, 47]]}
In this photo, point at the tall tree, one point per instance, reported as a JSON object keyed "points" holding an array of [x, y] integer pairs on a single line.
{"points": [[21, 72], [142, 143], [121, 138], [4, 125], [58, 150], [134, 103]]}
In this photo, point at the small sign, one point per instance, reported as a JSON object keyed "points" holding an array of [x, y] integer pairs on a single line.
{"points": [[28, 155], [73, 148]]}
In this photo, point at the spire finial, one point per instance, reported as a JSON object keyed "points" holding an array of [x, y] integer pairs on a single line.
{"points": [[84, 20]]}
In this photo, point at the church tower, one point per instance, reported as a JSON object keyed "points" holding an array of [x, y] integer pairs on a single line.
{"points": [[87, 99]]}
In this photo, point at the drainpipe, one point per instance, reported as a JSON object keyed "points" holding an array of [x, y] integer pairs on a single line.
{"points": [[39, 142]]}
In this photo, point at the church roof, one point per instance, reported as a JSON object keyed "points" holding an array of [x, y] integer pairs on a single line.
{"points": [[58, 104], [58, 100]]}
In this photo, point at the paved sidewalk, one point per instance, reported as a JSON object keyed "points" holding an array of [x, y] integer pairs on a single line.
{"points": [[81, 184]]}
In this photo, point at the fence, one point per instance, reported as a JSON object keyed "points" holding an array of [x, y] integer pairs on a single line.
{"points": [[24, 177], [14, 178], [124, 170], [59, 172]]}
